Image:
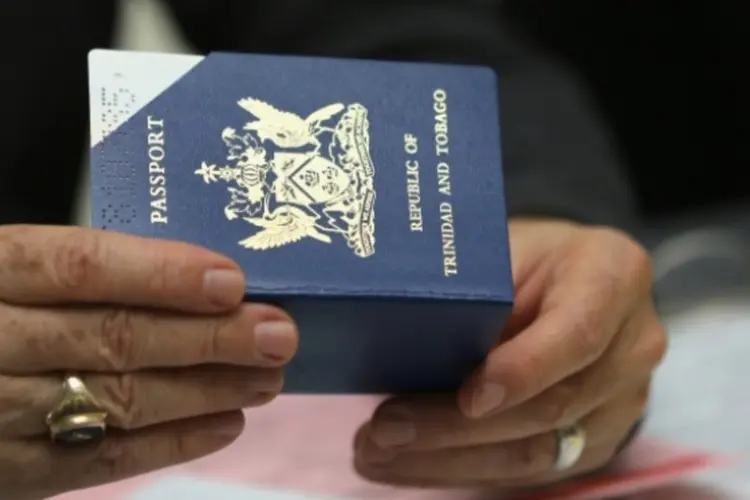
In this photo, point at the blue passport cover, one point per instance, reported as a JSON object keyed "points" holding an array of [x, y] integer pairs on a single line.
{"points": [[365, 197]]}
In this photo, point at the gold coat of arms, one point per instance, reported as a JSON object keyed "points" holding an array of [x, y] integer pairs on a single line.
{"points": [[294, 178]]}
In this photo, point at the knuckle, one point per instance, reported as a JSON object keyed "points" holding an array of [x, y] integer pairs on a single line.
{"points": [[223, 338], [162, 276], [638, 265], [214, 345], [640, 259], [122, 400], [657, 347], [634, 263], [651, 348], [532, 455], [17, 254], [588, 338], [118, 347], [555, 407], [77, 260]]}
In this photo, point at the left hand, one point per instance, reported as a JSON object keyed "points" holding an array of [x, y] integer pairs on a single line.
{"points": [[580, 348]]}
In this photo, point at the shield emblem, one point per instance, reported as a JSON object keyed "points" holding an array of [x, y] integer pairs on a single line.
{"points": [[309, 179]]}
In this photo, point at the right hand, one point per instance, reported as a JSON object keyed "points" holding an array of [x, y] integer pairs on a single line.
{"points": [[158, 332]]}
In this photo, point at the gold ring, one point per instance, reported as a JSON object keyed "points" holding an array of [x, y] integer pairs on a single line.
{"points": [[77, 417]]}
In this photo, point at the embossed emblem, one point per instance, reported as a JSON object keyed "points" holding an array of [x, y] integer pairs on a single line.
{"points": [[294, 178]]}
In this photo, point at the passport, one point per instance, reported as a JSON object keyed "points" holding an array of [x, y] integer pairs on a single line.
{"points": [[364, 197]]}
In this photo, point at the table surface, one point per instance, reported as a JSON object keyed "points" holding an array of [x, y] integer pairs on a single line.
{"points": [[702, 393]]}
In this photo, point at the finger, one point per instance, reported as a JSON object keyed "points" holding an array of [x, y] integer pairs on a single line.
{"points": [[56, 265], [140, 399], [435, 422], [532, 457], [40, 467], [594, 459], [456, 466], [578, 319], [34, 340], [628, 362]]}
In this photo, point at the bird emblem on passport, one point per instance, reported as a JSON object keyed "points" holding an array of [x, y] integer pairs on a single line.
{"points": [[293, 178]]}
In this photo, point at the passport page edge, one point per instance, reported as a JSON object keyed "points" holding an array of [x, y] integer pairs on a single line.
{"points": [[171, 68]]}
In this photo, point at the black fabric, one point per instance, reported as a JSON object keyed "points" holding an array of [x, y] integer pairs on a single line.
{"points": [[43, 84], [559, 157], [669, 78]]}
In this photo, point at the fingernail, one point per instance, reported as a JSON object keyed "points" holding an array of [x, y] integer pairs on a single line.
{"points": [[226, 428], [227, 431], [368, 452], [393, 427], [276, 340], [224, 287], [487, 398], [377, 456]]}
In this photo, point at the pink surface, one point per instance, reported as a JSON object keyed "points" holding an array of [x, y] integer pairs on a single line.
{"points": [[303, 443]]}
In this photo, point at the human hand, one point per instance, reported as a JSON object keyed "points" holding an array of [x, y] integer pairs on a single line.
{"points": [[580, 348], [158, 333]]}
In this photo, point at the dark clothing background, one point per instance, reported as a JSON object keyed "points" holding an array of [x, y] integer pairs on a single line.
{"points": [[670, 78], [666, 80]]}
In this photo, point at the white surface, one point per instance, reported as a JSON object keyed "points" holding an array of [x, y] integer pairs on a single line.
{"points": [[702, 392], [122, 83], [189, 488]]}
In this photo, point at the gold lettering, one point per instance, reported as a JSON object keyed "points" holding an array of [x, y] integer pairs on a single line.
{"points": [[441, 142], [448, 238], [440, 107], [157, 177], [411, 145], [444, 178], [414, 196]]}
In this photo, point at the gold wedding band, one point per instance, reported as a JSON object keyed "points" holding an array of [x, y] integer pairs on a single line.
{"points": [[77, 417]]}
